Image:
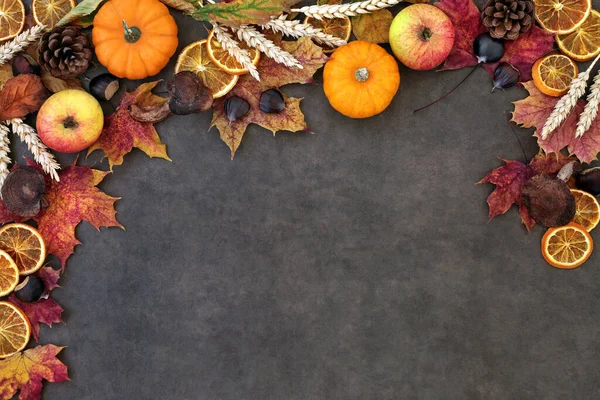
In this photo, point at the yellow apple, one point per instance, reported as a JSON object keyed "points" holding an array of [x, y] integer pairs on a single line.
{"points": [[70, 121]]}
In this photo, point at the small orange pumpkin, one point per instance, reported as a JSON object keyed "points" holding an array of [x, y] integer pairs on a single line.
{"points": [[134, 39], [361, 79]]}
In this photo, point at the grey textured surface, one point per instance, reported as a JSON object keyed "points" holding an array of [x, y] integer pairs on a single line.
{"points": [[355, 263]]}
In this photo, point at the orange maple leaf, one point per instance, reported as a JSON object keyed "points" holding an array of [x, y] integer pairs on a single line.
{"points": [[122, 132], [25, 371]]}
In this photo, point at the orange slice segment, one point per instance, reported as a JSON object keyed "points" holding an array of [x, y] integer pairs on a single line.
{"points": [[24, 245], [338, 27], [552, 74], [561, 16], [195, 58], [15, 330], [587, 212], [12, 18], [567, 246], [49, 12], [9, 274], [583, 44], [223, 60]]}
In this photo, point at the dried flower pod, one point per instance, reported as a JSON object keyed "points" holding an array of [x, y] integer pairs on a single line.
{"points": [[25, 64], [104, 86], [188, 94], [505, 76], [23, 191], [549, 201], [271, 101], [589, 181], [236, 108]]}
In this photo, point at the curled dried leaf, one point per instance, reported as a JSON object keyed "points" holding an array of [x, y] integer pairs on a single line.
{"points": [[23, 191], [188, 94], [150, 114]]}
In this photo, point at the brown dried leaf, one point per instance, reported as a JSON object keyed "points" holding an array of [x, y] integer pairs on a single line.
{"points": [[150, 114], [21, 95], [273, 75], [374, 27], [181, 5], [5, 74], [56, 85]]}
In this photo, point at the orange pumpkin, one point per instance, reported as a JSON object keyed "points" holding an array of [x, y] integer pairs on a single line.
{"points": [[134, 39], [361, 79]]}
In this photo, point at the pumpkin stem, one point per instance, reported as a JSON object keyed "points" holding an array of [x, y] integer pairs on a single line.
{"points": [[361, 74], [132, 34]]}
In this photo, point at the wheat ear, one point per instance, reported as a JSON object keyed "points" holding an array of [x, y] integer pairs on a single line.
{"points": [[20, 43], [40, 152], [567, 103], [297, 29], [591, 108], [242, 56], [346, 10], [4, 151], [254, 38]]}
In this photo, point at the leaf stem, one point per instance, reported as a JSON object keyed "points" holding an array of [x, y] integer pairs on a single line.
{"points": [[450, 92]]}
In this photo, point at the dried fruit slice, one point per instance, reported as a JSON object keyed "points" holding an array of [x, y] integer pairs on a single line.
{"points": [[223, 60], [587, 212], [9, 274], [25, 246], [561, 16], [12, 18], [338, 27], [583, 43], [195, 58], [15, 329], [49, 12], [567, 246], [552, 74]]}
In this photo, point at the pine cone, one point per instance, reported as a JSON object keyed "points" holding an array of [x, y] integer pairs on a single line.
{"points": [[506, 19], [65, 52]]}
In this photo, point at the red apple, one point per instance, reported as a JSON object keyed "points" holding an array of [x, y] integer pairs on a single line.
{"points": [[421, 36], [70, 121]]}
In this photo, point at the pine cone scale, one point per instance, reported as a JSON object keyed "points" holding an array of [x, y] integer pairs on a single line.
{"points": [[65, 52], [507, 19]]}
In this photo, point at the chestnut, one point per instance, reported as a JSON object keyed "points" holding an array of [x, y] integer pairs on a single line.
{"points": [[236, 108], [271, 101], [104, 86], [589, 181], [488, 49], [31, 289], [25, 64]]}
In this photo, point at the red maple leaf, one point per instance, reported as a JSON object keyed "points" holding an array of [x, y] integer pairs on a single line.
{"points": [[26, 370], [521, 53], [72, 200], [534, 110], [45, 310], [510, 178]]}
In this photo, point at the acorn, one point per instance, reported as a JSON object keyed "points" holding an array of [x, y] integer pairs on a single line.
{"points": [[104, 86], [31, 289], [589, 181], [25, 64], [23, 191]]}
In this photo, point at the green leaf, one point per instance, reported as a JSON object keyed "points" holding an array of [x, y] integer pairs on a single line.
{"points": [[243, 11], [83, 9]]}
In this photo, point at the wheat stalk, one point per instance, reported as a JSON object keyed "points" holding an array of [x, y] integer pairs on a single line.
{"points": [[297, 29], [591, 108], [40, 152], [242, 56], [567, 103], [20, 43], [4, 150], [346, 10], [254, 38]]}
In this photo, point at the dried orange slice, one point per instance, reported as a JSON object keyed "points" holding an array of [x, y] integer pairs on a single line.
{"points": [[15, 329], [561, 16], [567, 246], [587, 209], [223, 60], [9, 274], [25, 246], [552, 74], [338, 27], [583, 43], [195, 58], [49, 12], [12, 18]]}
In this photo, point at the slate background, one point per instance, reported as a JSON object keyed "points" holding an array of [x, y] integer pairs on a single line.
{"points": [[355, 263]]}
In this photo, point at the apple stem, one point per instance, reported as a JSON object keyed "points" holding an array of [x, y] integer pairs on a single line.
{"points": [[450, 92]]}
